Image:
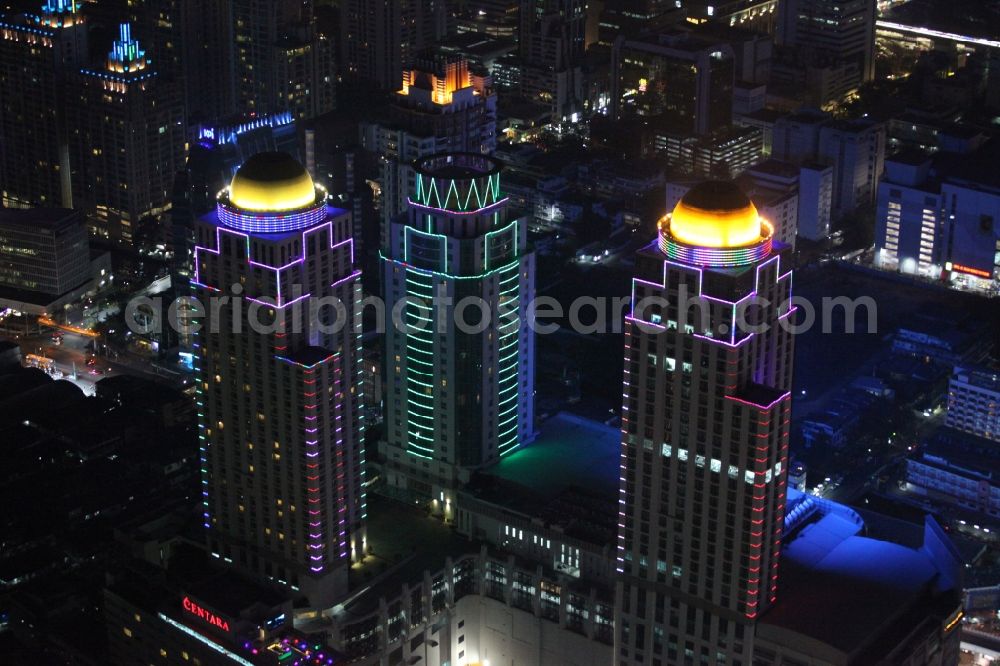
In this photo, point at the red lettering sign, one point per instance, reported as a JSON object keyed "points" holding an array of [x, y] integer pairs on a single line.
{"points": [[204, 614], [978, 272]]}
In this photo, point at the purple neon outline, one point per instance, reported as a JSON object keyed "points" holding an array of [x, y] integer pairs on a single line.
{"points": [[701, 275], [220, 228]]}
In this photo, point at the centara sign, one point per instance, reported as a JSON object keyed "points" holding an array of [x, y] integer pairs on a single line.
{"points": [[206, 615]]}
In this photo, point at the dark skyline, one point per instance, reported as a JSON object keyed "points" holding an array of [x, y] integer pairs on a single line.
{"points": [[499, 333]]}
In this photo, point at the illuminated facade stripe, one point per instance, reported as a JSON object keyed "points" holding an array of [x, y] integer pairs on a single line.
{"points": [[271, 403], [461, 398]]}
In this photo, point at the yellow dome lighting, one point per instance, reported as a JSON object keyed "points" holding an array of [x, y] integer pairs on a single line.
{"points": [[715, 214], [272, 182]]}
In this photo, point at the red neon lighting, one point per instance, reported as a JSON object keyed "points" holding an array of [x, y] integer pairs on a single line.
{"points": [[206, 615], [969, 270]]}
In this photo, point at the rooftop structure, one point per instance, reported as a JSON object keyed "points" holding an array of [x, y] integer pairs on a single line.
{"points": [[851, 599]]}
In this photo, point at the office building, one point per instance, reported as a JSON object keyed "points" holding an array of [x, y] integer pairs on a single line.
{"points": [[39, 56], [974, 402], [756, 15], [459, 386], [705, 423], [279, 384], [552, 40], [129, 143], [633, 18], [218, 149], [831, 42], [282, 61], [957, 469], [378, 40], [443, 106], [195, 613], [44, 259], [677, 83], [724, 153], [855, 149], [774, 188], [191, 42], [937, 217]]}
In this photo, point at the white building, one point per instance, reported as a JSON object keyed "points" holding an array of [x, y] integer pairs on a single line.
{"points": [[974, 402], [815, 201], [855, 149], [938, 216]]}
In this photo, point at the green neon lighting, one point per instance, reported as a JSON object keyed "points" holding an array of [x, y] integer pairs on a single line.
{"points": [[477, 193]]}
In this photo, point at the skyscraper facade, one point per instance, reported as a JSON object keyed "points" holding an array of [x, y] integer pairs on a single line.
{"points": [[551, 43], [443, 106], [831, 34], [677, 83], [129, 141], [39, 55], [459, 277], [704, 433], [281, 61], [379, 39], [279, 380], [190, 41]]}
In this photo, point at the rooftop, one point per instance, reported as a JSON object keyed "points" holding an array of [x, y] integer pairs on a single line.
{"points": [[569, 451], [567, 478], [49, 219], [865, 584]]}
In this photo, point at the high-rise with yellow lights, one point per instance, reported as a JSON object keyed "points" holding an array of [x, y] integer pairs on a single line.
{"points": [[705, 424], [444, 105], [128, 144], [39, 56], [279, 390]]}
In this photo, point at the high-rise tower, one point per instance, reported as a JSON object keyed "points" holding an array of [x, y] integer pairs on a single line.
{"points": [[705, 424], [831, 30], [444, 106], [279, 389], [130, 141], [38, 56], [460, 376]]}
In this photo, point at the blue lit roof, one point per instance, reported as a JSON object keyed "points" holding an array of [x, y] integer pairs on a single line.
{"points": [[841, 589]]}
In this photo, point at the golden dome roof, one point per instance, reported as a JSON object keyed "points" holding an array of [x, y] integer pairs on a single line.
{"points": [[271, 182], [715, 214]]}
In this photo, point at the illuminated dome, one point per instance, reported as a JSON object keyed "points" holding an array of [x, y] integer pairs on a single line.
{"points": [[272, 182], [716, 214]]}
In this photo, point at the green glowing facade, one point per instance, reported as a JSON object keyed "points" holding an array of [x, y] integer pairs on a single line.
{"points": [[459, 387]]}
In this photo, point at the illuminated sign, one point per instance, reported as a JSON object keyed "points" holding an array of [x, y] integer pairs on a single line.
{"points": [[204, 614], [969, 270]]}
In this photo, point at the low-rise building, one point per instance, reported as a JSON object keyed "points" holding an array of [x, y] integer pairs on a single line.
{"points": [[44, 259], [960, 470], [974, 402]]}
